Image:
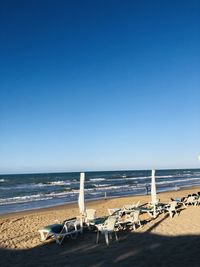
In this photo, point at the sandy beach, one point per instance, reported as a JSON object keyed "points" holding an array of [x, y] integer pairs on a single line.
{"points": [[163, 241]]}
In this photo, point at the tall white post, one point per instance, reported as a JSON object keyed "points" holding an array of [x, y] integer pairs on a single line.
{"points": [[81, 198], [153, 192]]}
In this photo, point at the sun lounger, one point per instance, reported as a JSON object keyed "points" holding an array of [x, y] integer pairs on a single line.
{"points": [[69, 227], [149, 209]]}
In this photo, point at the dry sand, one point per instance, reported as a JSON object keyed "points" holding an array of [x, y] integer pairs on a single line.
{"points": [[159, 242]]}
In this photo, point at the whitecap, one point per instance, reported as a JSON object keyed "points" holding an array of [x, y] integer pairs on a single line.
{"points": [[97, 179], [54, 183]]}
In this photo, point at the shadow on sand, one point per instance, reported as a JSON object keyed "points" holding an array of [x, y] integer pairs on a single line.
{"points": [[133, 249]]}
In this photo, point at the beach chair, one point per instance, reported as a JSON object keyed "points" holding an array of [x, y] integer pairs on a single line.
{"points": [[148, 210], [198, 200], [69, 228], [130, 207], [90, 215], [130, 220], [133, 219], [172, 208], [107, 228], [151, 211], [115, 211], [191, 200]]}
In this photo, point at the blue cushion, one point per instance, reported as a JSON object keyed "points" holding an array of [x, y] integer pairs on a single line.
{"points": [[55, 228]]}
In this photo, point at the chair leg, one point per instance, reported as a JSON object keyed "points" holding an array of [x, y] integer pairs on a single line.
{"points": [[107, 239], [57, 239], [110, 236], [116, 236], [74, 236], [44, 235], [97, 241]]}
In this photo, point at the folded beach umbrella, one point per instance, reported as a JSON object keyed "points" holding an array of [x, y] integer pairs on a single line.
{"points": [[81, 198], [153, 192]]}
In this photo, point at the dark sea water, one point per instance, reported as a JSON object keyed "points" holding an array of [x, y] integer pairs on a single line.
{"points": [[31, 191]]}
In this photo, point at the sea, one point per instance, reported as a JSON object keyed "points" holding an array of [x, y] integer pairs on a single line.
{"points": [[21, 192]]}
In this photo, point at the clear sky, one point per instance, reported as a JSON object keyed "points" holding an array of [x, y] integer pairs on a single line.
{"points": [[99, 85]]}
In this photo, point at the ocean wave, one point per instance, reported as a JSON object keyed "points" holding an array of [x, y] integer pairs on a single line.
{"points": [[113, 187], [30, 198], [66, 188], [102, 185], [97, 191], [116, 189], [179, 181], [20, 186], [22, 199], [165, 176], [139, 178], [127, 179], [35, 185], [57, 183], [196, 173], [97, 179]]}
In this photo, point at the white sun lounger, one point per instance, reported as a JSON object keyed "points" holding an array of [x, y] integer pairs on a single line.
{"points": [[59, 231]]}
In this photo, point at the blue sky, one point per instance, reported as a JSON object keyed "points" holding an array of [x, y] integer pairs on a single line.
{"points": [[99, 85]]}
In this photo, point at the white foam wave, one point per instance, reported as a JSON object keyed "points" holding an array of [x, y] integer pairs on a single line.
{"points": [[97, 179], [114, 187], [22, 199], [2, 180], [148, 177], [54, 183], [179, 181], [36, 197], [20, 186], [165, 176], [139, 178], [196, 173], [102, 185], [36, 185], [127, 178]]}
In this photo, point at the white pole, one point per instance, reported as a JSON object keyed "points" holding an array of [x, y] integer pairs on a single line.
{"points": [[153, 192], [81, 198]]}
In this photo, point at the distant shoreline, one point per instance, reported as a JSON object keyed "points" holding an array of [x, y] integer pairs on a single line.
{"points": [[91, 171]]}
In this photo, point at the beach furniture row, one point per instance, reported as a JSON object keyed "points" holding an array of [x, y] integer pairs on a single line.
{"points": [[127, 217]]}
